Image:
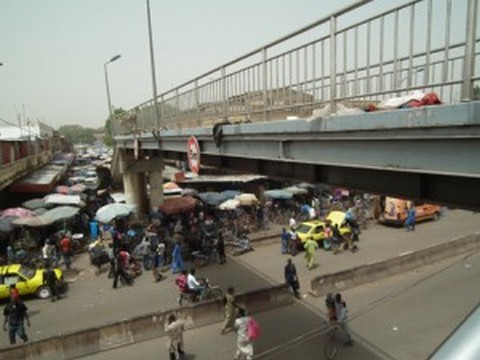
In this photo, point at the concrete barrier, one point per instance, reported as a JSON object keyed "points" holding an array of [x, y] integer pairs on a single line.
{"points": [[363, 274], [93, 340]]}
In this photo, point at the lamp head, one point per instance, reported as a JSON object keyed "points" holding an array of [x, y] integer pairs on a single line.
{"points": [[115, 58]]}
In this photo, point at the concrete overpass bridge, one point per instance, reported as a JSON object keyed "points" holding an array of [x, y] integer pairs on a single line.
{"points": [[280, 109]]}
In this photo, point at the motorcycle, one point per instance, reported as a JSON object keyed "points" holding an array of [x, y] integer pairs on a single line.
{"points": [[241, 245], [209, 292]]}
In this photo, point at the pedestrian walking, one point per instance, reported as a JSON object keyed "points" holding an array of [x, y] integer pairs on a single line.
{"points": [[291, 277], [221, 248], [244, 344], [311, 247], [230, 310], [15, 314], [341, 314], [174, 328], [411, 218], [50, 279], [177, 261], [66, 250], [122, 261], [284, 238], [14, 293], [330, 305], [293, 243]]}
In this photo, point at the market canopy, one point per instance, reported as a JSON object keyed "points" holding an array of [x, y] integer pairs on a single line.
{"points": [[296, 190], [17, 212], [230, 204], [34, 204], [247, 199], [171, 188], [34, 221], [60, 199], [177, 205], [111, 211], [278, 194], [61, 213]]}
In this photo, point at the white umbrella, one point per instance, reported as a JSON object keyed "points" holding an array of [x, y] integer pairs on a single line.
{"points": [[61, 213], [230, 204], [109, 212], [247, 199]]}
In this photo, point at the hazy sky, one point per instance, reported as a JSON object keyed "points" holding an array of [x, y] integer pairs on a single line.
{"points": [[53, 51]]}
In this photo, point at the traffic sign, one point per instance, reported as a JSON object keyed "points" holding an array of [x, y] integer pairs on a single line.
{"points": [[193, 154]]}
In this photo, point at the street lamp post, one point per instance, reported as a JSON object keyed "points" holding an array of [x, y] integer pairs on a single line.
{"points": [[152, 64], [114, 58]]}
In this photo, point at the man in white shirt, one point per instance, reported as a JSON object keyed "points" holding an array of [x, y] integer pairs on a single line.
{"points": [[292, 223], [193, 285]]}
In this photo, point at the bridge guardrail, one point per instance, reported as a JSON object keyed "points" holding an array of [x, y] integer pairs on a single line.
{"points": [[21, 167], [335, 59]]}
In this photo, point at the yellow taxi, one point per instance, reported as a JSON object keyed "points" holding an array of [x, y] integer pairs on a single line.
{"points": [[28, 281], [315, 229]]}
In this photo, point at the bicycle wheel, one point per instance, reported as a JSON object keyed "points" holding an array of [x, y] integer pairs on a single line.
{"points": [[330, 350]]}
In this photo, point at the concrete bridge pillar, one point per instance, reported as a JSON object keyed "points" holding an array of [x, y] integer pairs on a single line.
{"points": [[134, 183], [155, 175]]}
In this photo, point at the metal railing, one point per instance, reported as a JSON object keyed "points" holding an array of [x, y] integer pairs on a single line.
{"points": [[16, 169], [414, 46]]}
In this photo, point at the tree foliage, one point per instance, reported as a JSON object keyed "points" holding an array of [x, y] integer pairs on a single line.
{"points": [[77, 134], [117, 114]]}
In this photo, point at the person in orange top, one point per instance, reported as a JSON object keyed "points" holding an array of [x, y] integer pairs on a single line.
{"points": [[14, 293], [66, 250]]}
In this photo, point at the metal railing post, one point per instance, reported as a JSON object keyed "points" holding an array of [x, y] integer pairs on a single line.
{"points": [[264, 83], [469, 59], [333, 63], [224, 93]]}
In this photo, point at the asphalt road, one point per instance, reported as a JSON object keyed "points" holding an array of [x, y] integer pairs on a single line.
{"points": [[91, 301]]}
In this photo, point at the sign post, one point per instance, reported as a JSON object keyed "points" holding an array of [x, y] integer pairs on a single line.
{"points": [[193, 154]]}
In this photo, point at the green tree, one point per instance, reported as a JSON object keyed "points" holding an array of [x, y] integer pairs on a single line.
{"points": [[117, 114], [77, 134]]}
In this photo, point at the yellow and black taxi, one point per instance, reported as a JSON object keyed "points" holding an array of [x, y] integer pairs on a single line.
{"points": [[315, 229], [28, 281]]}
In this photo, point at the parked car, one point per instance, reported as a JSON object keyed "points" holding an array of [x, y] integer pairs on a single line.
{"points": [[316, 228], [28, 281], [395, 211]]}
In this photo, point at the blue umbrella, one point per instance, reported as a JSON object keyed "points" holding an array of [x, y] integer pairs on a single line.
{"points": [[230, 194], [211, 198]]}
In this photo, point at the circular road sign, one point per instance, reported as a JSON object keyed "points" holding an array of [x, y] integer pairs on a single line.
{"points": [[193, 154]]}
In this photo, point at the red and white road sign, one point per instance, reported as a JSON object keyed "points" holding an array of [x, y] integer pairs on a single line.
{"points": [[193, 154]]}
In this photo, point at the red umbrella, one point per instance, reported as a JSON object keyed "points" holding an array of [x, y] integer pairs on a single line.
{"points": [[177, 205]]}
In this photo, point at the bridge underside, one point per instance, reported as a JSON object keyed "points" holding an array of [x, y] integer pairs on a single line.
{"points": [[454, 191], [428, 153]]}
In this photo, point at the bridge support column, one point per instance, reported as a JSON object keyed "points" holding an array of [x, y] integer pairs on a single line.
{"points": [[155, 175], [134, 185]]}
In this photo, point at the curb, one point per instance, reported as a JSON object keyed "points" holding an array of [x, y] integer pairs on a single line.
{"points": [[364, 274]]}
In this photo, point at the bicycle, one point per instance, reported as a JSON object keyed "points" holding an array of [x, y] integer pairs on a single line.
{"points": [[330, 347], [331, 344]]}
